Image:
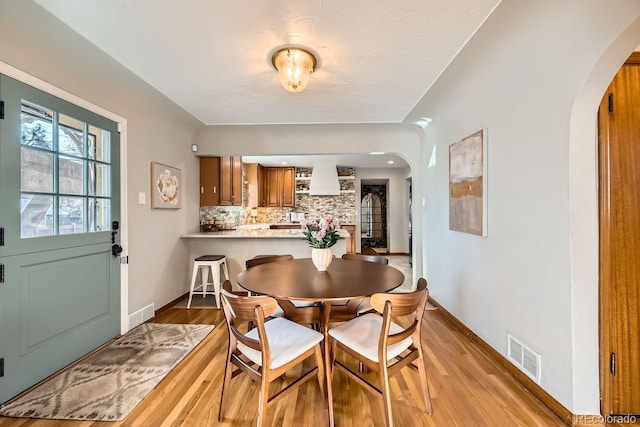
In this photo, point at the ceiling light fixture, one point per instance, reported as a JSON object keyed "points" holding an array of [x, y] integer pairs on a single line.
{"points": [[294, 66]]}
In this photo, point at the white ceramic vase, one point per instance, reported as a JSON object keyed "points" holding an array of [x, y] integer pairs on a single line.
{"points": [[321, 258]]}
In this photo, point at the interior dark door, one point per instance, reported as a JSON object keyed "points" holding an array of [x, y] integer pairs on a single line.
{"points": [[619, 157], [59, 193], [373, 216]]}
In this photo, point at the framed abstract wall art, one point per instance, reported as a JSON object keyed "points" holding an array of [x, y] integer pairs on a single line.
{"points": [[165, 186], [468, 184]]}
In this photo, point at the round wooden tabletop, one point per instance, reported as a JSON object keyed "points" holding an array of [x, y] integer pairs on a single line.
{"points": [[299, 279]]}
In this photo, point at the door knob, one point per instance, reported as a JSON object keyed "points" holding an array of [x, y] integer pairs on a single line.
{"points": [[116, 249]]}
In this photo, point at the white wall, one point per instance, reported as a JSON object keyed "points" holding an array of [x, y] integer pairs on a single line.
{"points": [[33, 41], [520, 77], [397, 205]]}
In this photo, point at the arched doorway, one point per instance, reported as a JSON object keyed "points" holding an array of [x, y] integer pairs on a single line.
{"points": [[583, 195]]}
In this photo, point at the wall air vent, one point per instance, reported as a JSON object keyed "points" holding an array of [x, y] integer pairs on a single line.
{"points": [[527, 360], [141, 316]]}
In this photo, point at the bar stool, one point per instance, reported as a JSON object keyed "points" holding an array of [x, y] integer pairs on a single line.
{"points": [[208, 263]]}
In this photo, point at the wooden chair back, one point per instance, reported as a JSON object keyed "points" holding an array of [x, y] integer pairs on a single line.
{"points": [[369, 258], [399, 305], [254, 310], [259, 260], [343, 312]]}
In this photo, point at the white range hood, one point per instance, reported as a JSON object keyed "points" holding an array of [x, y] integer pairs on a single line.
{"points": [[324, 180]]}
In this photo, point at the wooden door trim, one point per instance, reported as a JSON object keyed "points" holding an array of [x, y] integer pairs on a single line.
{"points": [[619, 125], [604, 266]]}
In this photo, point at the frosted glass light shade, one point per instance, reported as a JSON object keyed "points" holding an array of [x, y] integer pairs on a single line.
{"points": [[294, 66]]}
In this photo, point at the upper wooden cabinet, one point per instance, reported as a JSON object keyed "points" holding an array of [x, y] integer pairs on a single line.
{"points": [[256, 185], [230, 181], [209, 181], [221, 181], [281, 187], [262, 186]]}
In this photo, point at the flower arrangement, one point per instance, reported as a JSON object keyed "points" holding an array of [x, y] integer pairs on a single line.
{"points": [[321, 233]]}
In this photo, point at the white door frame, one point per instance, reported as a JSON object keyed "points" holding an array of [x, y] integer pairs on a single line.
{"points": [[17, 74]]}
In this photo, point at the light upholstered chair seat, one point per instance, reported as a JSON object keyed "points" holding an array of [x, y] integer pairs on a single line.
{"points": [[362, 335], [287, 341]]}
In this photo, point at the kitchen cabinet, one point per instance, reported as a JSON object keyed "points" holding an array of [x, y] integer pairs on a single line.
{"points": [[230, 181], [281, 187], [256, 185], [351, 241], [262, 186], [209, 181]]}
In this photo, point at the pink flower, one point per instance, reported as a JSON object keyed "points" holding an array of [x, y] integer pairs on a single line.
{"points": [[321, 233]]}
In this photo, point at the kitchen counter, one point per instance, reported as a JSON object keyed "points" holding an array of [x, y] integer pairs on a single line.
{"points": [[244, 233], [250, 240]]}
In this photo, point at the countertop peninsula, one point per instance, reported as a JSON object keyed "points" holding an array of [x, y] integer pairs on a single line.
{"points": [[250, 240], [250, 232]]}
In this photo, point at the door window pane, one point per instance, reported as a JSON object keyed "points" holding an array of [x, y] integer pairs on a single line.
{"points": [[70, 136], [36, 126], [37, 170], [36, 215], [99, 179], [71, 215], [99, 144], [71, 175], [99, 214]]}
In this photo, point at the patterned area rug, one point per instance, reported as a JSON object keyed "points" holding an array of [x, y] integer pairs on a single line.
{"points": [[109, 384]]}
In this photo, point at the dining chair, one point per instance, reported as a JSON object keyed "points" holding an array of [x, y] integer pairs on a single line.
{"points": [[343, 311], [268, 350], [303, 312], [264, 259], [383, 345]]}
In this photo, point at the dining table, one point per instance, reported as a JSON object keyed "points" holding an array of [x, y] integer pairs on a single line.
{"points": [[299, 279]]}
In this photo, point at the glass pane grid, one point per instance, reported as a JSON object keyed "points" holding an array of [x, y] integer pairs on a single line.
{"points": [[62, 192]]}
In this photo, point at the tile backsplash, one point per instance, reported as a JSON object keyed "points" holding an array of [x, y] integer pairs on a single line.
{"points": [[342, 207]]}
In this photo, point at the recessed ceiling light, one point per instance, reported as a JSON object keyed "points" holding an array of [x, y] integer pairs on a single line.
{"points": [[284, 163], [390, 162], [376, 153]]}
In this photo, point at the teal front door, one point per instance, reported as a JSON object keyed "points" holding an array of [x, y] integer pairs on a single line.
{"points": [[59, 208]]}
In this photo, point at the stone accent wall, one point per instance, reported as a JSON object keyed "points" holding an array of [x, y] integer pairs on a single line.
{"points": [[229, 216], [342, 207]]}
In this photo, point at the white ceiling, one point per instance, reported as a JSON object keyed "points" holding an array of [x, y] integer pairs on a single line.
{"points": [[376, 58]]}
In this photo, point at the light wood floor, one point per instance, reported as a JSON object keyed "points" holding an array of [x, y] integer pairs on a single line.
{"points": [[467, 389]]}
